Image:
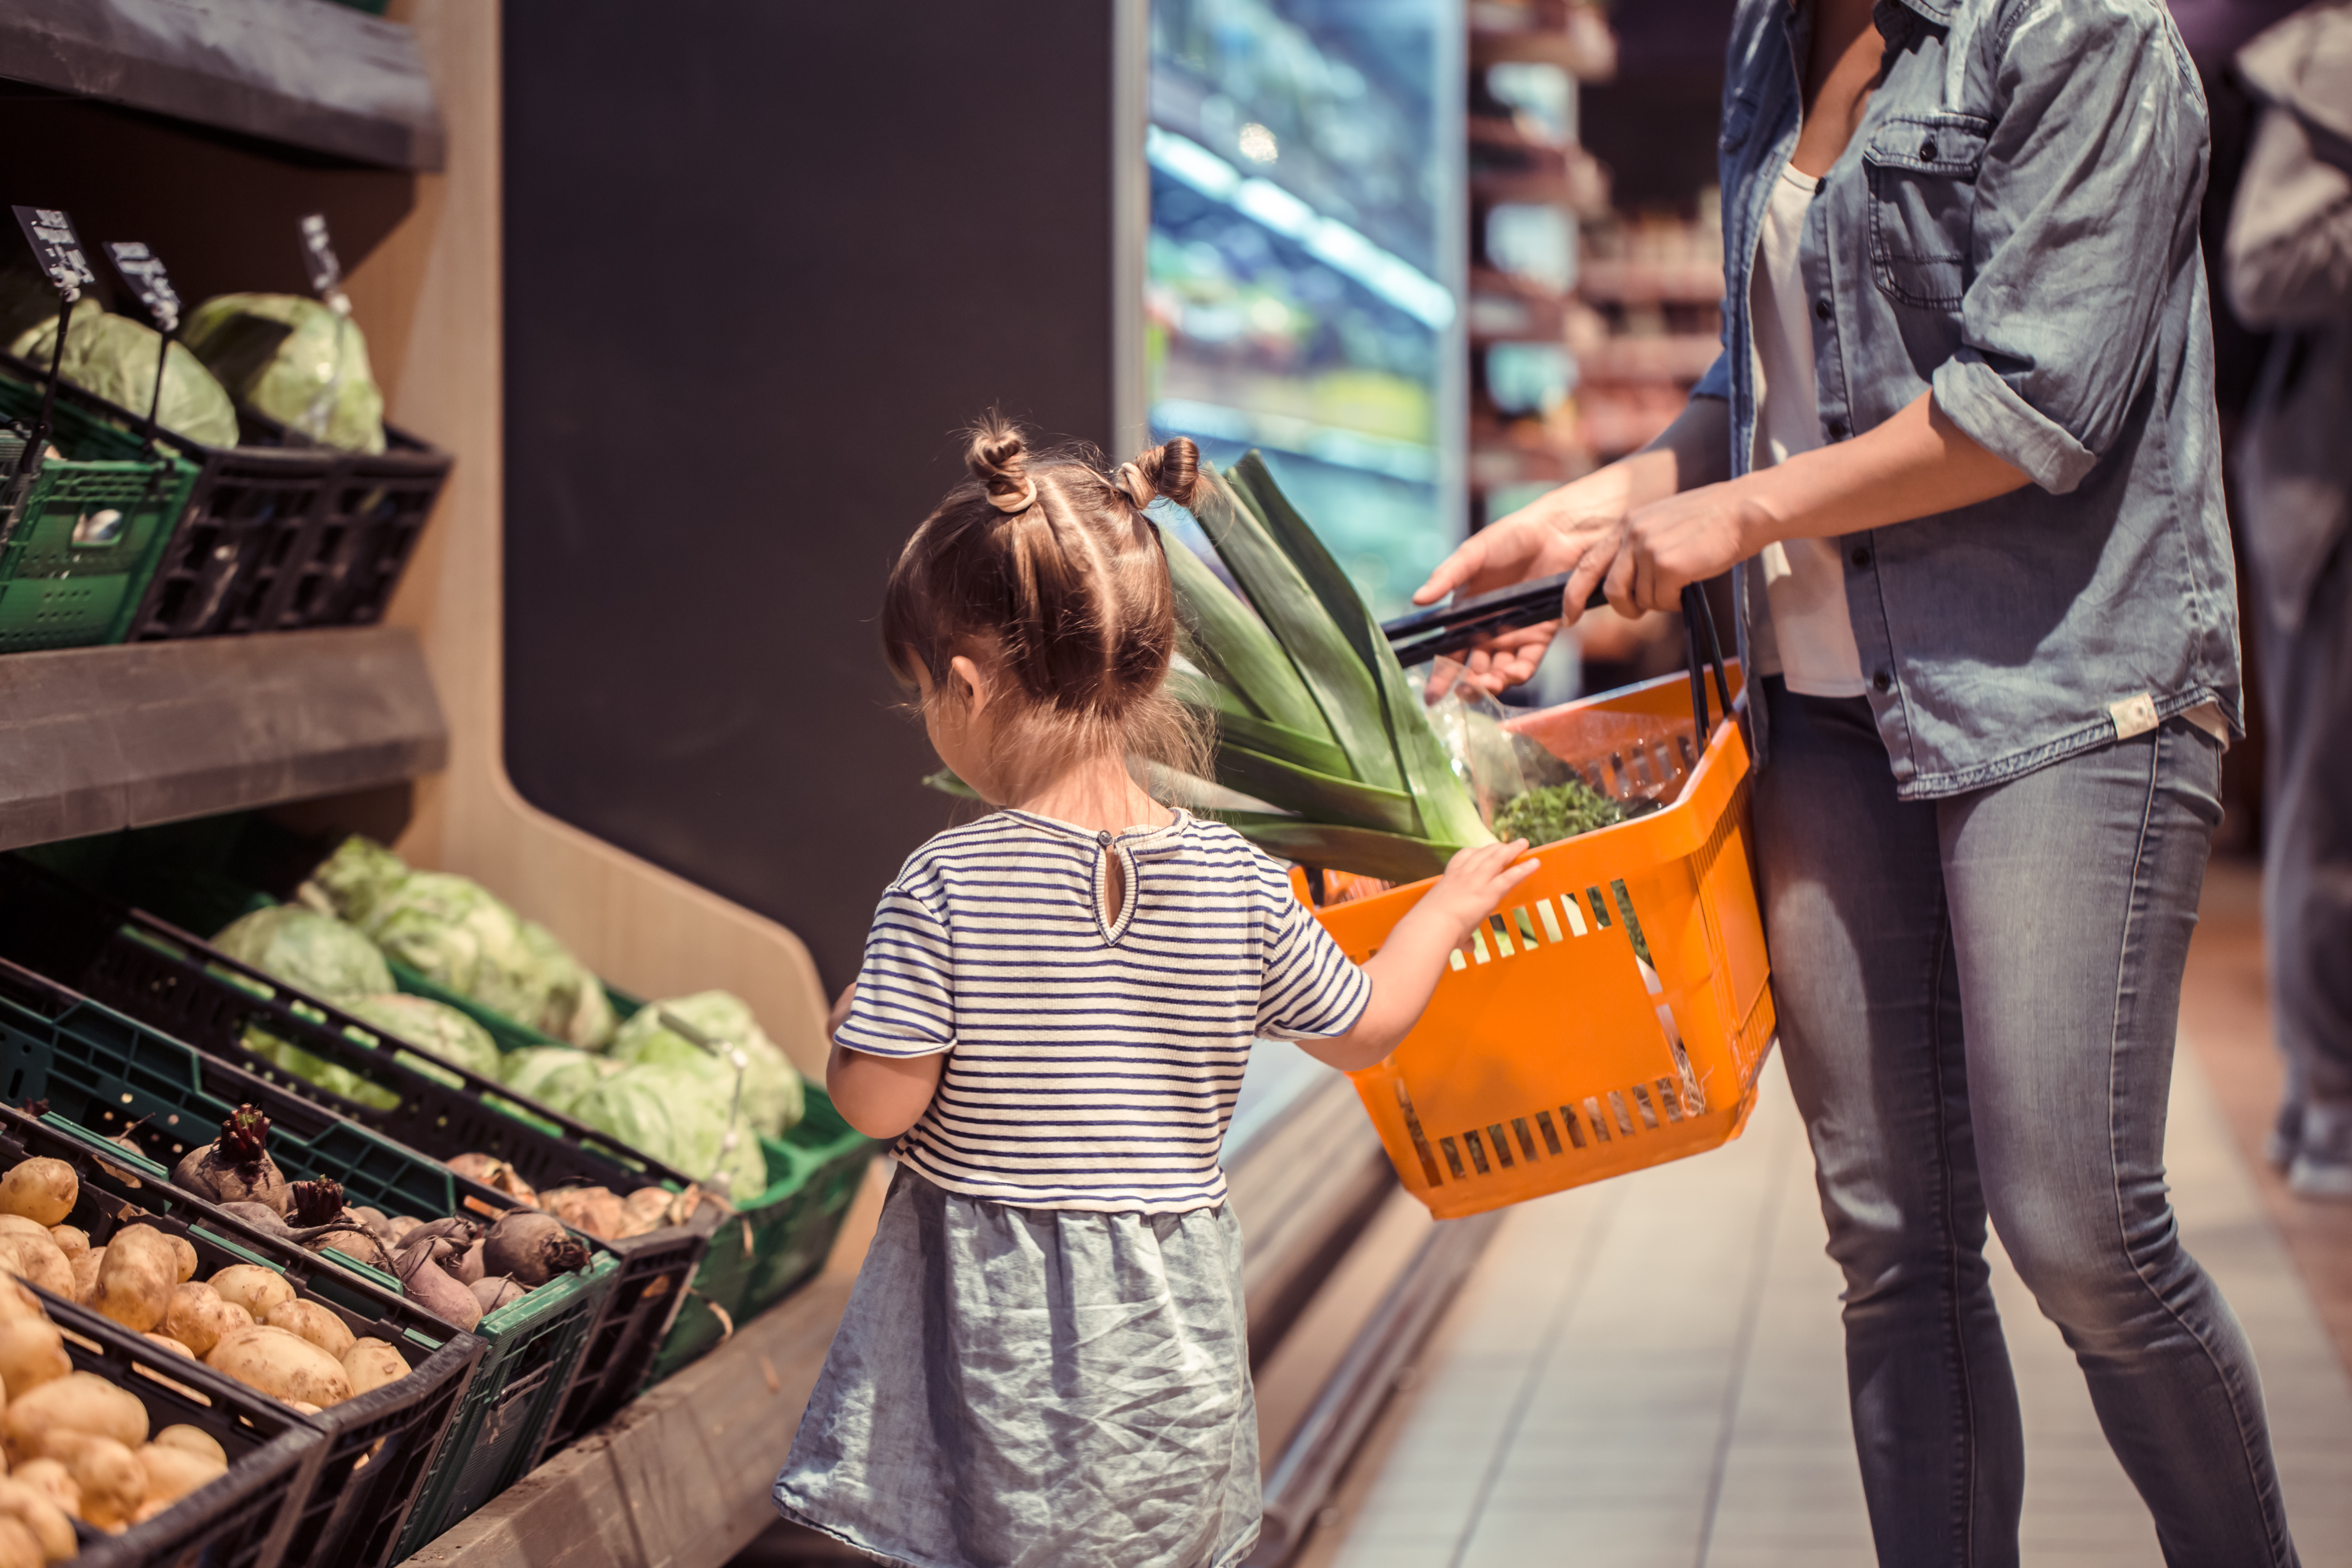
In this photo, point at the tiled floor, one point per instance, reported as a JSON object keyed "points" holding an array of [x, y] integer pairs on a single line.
{"points": [[1649, 1371]]}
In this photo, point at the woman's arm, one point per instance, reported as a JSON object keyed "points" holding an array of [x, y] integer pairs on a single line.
{"points": [[1915, 465], [1577, 528]]}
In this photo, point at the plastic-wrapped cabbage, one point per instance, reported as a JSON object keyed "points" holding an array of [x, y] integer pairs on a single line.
{"points": [[577, 1008], [352, 880], [675, 1113], [556, 1075], [435, 1026], [773, 1098], [453, 930], [326, 1074], [295, 361], [114, 356], [309, 951]]}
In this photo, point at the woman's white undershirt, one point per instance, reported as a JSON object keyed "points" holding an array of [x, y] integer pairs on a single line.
{"points": [[1808, 637]]}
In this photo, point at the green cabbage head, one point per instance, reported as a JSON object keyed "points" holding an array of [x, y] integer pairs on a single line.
{"points": [[670, 1111], [772, 1097], [355, 877], [309, 951], [576, 1008], [114, 356], [295, 361], [556, 1075], [434, 1026], [453, 930]]}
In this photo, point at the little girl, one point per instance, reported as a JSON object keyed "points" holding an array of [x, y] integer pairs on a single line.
{"points": [[1043, 1361]]}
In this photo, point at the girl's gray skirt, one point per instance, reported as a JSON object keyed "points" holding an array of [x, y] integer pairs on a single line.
{"points": [[1019, 1388]]}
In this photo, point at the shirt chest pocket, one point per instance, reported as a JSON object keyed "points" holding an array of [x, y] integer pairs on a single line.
{"points": [[1922, 171]]}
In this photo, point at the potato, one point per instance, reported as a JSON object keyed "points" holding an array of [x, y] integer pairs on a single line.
{"points": [[19, 1547], [136, 1278], [32, 1353], [71, 1239], [113, 1482], [40, 1514], [173, 1473], [77, 1403], [197, 1317], [253, 1288], [18, 1304], [282, 1362], [305, 1406], [52, 1480], [85, 1273], [196, 1440], [18, 1224], [185, 1253], [241, 1316], [42, 1190], [165, 1341], [39, 1260], [314, 1323], [372, 1364]]}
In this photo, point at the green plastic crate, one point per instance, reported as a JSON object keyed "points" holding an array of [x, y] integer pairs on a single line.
{"points": [[82, 549], [103, 1071]]}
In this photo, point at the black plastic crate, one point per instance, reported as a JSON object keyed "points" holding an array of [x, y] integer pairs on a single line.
{"points": [[173, 982], [379, 1445], [245, 1518], [110, 1074], [362, 534]]}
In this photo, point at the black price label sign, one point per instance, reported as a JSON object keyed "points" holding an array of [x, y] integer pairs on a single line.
{"points": [[142, 270], [319, 255], [56, 248]]}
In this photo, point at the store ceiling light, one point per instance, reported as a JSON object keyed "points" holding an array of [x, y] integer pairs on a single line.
{"points": [[1329, 241]]}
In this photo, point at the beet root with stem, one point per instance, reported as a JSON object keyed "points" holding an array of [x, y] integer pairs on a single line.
{"points": [[422, 1277], [237, 1167], [497, 1291], [532, 1248]]}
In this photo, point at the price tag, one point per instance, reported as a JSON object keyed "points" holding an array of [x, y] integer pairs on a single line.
{"points": [[142, 269], [56, 250]]}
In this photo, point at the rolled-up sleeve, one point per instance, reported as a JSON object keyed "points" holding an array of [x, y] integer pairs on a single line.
{"points": [[2085, 200]]}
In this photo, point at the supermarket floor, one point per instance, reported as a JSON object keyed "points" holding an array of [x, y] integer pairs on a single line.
{"points": [[1649, 1371]]}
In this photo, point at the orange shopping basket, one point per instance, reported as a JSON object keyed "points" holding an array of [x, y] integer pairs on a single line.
{"points": [[1615, 1013]]}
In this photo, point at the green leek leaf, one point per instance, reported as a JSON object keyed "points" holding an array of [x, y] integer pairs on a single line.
{"points": [[1249, 661], [1365, 851], [1317, 797]]}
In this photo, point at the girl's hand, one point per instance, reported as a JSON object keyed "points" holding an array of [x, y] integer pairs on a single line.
{"points": [[1475, 881], [1684, 539]]}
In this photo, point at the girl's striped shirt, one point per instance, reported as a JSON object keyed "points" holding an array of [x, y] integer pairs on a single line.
{"points": [[1092, 1063]]}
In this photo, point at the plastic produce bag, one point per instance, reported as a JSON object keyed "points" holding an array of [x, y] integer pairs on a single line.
{"points": [[115, 357], [295, 360]]}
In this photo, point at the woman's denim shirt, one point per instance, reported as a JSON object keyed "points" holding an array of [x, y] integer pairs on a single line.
{"points": [[2014, 227]]}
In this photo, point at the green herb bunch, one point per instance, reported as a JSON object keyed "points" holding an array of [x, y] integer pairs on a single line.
{"points": [[1554, 812]]}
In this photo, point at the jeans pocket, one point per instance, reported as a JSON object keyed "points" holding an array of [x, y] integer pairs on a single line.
{"points": [[1922, 170]]}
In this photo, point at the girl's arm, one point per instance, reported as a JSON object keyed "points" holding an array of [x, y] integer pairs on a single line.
{"points": [[879, 1096], [1406, 970], [1915, 465]]}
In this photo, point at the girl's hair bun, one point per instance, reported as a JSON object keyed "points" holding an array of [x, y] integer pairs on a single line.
{"points": [[996, 454], [1172, 470]]}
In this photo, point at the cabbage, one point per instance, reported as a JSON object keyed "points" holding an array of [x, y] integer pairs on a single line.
{"points": [[771, 1088], [295, 361], [576, 1008], [555, 1076], [435, 1026], [325, 1074], [309, 951], [453, 930], [669, 1111], [114, 356], [355, 877]]}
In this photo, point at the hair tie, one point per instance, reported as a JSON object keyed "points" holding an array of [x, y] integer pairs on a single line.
{"points": [[1129, 482], [1016, 504]]}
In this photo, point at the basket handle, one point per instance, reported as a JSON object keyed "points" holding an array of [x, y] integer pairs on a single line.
{"points": [[1698, 618]]}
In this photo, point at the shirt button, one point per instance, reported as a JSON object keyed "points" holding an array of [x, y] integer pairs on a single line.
{"points": [[1861, 556], [1824, 308], [1837, 429], [1104, 837], [1927, 151], [1883, 682]]}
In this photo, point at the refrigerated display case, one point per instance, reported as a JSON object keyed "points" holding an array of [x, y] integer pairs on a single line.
{"points": [[1305, 262]]}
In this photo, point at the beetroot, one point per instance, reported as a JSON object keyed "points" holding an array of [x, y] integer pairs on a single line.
{"points": [[236, 1168], [533, 1247], [422, 1277], [466, 1267], [497, 1291], [315, 1202]]}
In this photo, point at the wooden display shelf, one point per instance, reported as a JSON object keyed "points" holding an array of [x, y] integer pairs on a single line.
{"points": [[93, 740]]}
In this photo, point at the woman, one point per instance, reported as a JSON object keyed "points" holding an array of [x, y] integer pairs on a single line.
{"points": [[1961, 449]]}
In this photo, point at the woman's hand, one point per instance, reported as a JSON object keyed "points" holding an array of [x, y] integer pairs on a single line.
{"points": [[1577, 528], [1684, 539]]}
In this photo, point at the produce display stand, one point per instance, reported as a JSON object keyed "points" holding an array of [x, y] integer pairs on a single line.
{"points": [[107, 1073], [378, 1447], [172, 982], [244, 1519]]}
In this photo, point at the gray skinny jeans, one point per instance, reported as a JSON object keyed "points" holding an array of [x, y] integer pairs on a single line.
{"points": [[1977, 998]]}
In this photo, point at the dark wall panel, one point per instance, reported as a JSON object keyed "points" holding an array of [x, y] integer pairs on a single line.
{"points": [[763, 262]]}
